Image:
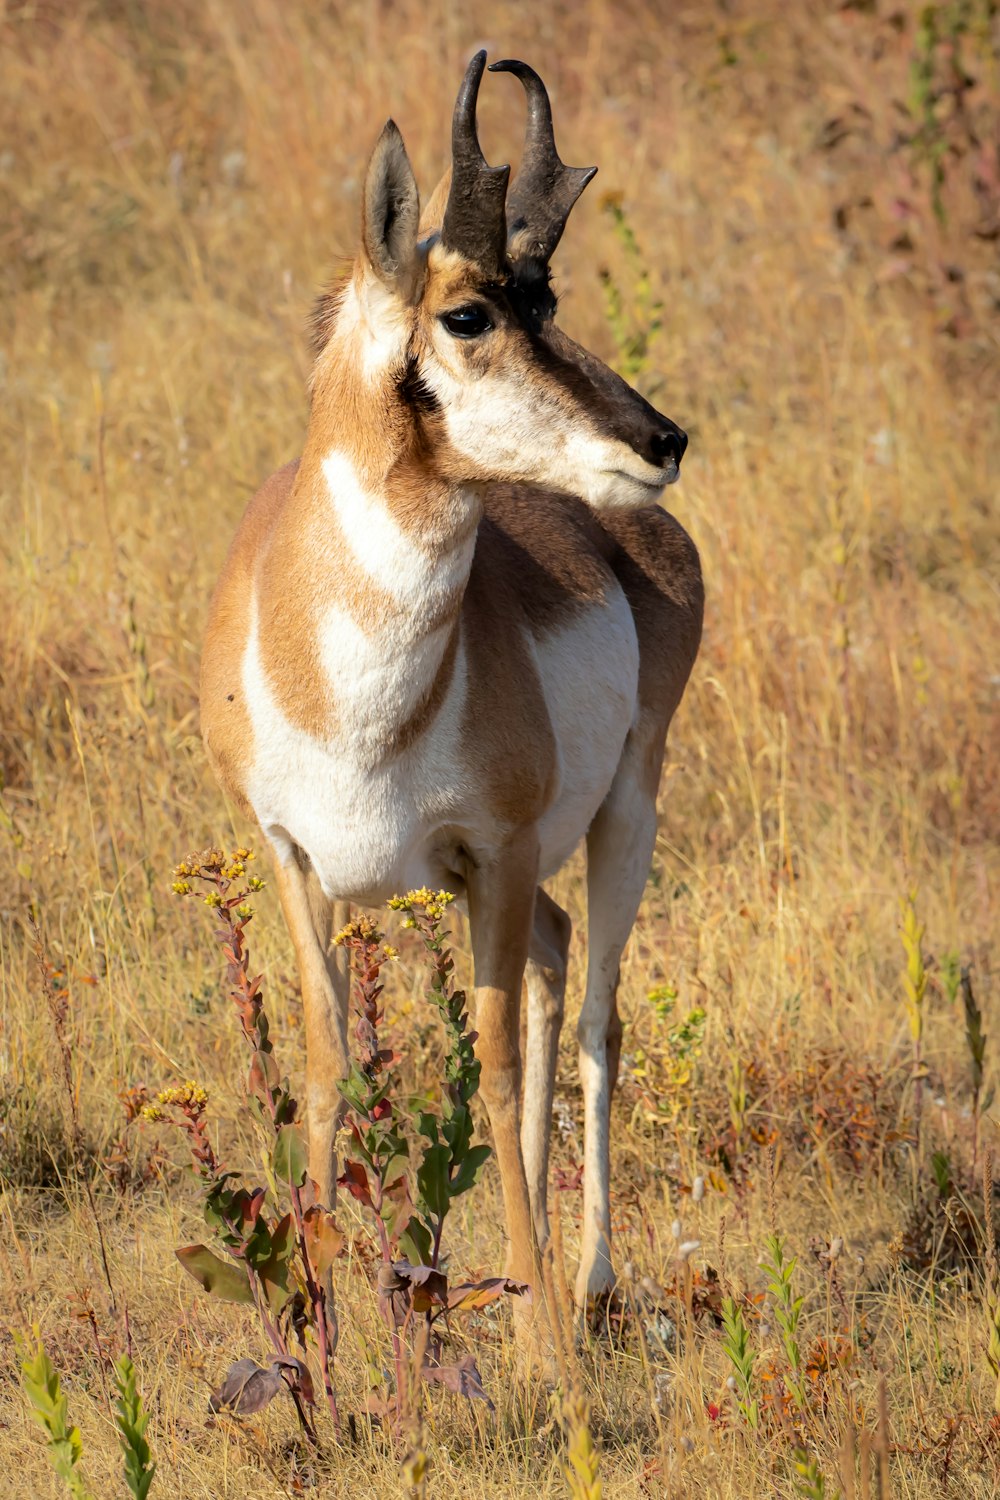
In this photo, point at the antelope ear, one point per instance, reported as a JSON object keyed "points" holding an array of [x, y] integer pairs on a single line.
{"points": [[390, 214]]}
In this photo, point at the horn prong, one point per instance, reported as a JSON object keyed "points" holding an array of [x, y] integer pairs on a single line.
{"points": [[475, 219], [545, 189]]}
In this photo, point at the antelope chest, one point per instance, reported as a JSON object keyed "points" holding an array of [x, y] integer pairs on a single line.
{"points": [[375, 823]]}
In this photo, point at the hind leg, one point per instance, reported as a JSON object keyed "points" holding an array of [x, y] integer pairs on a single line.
{"points": [[619, 850], [545, 981]]}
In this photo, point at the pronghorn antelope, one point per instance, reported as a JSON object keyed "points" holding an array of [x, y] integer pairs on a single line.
{"points": [[448, 641]]}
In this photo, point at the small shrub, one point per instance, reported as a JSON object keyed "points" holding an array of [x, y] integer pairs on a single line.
{"points": [[405, 1166]]}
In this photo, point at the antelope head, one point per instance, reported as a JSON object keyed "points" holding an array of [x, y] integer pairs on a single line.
{"points": [[456, 311]]}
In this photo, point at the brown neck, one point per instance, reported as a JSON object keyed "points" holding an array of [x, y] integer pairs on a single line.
{"points": [[373, 429]]}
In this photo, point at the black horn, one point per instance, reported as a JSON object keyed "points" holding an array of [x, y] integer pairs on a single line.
{"points": [[475, 222], [545, 189]]}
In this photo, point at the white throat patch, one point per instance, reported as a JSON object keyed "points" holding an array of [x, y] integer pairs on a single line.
{"points": [[416, 578]]}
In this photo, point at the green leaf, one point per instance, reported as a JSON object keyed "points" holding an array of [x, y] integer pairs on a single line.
{"points": [[49, 1409], [289, 1158], [285, 1106], [468, 1173], [941, 1167], [355, 1088], [416, 1243], [132, 1420], [274, 1271], [219, 1278], [221, 1204], [432, 1180], [457, 1131]]}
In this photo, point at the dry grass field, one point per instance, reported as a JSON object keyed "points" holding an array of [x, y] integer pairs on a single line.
{"points": [[792, 248]]}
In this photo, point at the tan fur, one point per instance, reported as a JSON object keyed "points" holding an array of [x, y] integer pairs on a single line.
{"points": [[225, 722]]}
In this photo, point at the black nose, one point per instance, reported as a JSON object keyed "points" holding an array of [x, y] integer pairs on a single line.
{"points": [[666, 444]]}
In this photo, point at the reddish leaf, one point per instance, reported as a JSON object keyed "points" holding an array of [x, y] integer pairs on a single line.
{"points": [[263, 1075], [298, 1377], [323, 1238], [395, 1292], [252, 1207], [248, 1387], [429, 1286], [464, 1379], [473, 1294], [355, 1179], [379, 1407]]}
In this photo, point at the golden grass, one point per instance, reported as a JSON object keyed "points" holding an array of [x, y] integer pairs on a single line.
{"points": [[175, 181]]}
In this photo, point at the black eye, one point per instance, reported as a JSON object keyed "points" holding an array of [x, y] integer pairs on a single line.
{"points": [[466, 322]]}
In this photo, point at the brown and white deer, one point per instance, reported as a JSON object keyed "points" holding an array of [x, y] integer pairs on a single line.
{"points": [[447, 642]]}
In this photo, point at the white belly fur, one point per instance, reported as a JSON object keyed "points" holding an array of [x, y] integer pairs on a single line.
{"points": [[371, 829]]}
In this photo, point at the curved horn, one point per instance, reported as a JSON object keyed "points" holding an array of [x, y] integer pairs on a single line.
{"points": [[475, 222], [545, 189]]}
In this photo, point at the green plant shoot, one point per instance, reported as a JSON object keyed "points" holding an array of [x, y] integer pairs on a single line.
{"points": [[49, 1409], [787, 1309], [740, 1353], [132, 1419]]}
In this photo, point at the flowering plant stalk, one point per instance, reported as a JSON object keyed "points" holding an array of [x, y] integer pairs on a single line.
{"points": [[279, 1263], [409, 1194], [451, 1164]]}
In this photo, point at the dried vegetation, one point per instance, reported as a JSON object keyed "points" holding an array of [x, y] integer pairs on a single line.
{"points": [[792, 248]]}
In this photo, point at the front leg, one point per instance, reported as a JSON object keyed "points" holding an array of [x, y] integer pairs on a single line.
{"points": [[501, 896], [312, 919]]}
